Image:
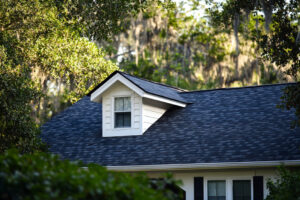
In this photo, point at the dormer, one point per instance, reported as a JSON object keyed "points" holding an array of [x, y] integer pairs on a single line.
{"points": [[130, 105]]}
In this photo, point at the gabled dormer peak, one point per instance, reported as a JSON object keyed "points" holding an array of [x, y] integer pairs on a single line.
{"points": [[130, 105], [144, 88]]}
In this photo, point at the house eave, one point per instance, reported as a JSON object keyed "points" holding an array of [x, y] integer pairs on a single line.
{"points": [[199, 166]]}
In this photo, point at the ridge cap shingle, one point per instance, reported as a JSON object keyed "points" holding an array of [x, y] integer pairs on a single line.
{"points": [[244, 87]]}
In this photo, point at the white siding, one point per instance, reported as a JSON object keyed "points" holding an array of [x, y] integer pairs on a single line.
{"points": [[152, 111], [118, 90], [187, 179], [144, 112]]}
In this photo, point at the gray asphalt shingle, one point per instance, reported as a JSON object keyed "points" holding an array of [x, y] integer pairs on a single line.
{"points": [[156, 88], [223, 125]]}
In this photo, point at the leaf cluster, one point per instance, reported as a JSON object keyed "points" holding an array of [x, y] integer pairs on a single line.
{"points": [[290, 101], [17, 128], [45, 176], [98, 19], [286, 187], [279, 42]]}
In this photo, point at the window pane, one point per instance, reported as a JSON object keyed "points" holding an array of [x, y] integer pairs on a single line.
{"points": [[122, 104], [212, 189], [127, 119], [216, 190], [221, 188], [127, 104], [242, 190], [119, 120], [119, 104]]}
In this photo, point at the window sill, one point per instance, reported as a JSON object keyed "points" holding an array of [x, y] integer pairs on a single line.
{"points": [[122, 128]]}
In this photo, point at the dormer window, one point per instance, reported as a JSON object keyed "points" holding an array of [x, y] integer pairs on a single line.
{"points": [[122, 112]]}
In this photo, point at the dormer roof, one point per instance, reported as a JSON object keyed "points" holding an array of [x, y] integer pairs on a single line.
{"points": [[143, 87]]}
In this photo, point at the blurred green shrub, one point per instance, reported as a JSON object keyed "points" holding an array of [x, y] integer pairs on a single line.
{"points": [[286, 186], [45, 176]]}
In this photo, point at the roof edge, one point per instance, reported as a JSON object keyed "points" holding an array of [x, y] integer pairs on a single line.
{"points": [[117, 71], [235, 88], [180, 102], [100, 84], [162, 84], [175, 102], [195, 166]]}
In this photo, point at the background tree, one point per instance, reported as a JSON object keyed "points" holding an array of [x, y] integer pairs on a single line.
{"points": [[278, 41], [45, 48], [173, 44], [17, 128]]}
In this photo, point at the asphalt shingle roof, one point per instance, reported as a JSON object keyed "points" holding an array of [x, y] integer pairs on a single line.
{"points": [[156, 88], [223, 125]]}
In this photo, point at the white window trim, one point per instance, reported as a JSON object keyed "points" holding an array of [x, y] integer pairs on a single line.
{"points": [[228, 184], [113, 112], [216, 179]]}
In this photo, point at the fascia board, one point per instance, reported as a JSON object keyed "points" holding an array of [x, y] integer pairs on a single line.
{"points": [[115, 78], [165, 100], [195, 166]]}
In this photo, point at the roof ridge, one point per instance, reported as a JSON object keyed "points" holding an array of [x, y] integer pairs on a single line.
{"points": [[234, 88], [162, 84]]}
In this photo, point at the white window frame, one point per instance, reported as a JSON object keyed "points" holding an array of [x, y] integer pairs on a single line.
{"points": [[113, 112], [228, 184], [217, 180]]}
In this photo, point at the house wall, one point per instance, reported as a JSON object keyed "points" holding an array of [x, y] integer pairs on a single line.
{"points": [[187, 179], [120, 90], [144, 112], [152, 111]]}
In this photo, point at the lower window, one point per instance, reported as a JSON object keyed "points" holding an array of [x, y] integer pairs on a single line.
{"points": [[216, 190], [241, 190], [122, 119]]}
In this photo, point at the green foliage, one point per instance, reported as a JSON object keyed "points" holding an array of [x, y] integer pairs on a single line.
{"points": [[47, 62], [40, 35], [280, 45], [71, 60], [286, 187], [45, 176], [177, 45], [17, 128], [279, 41], [290, 100], [269, 78], [174, 49], [98, 19]]}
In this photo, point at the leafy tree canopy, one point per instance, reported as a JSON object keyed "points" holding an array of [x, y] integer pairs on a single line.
{"points": [[279, 40], [46, 51], [17, 128]]}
